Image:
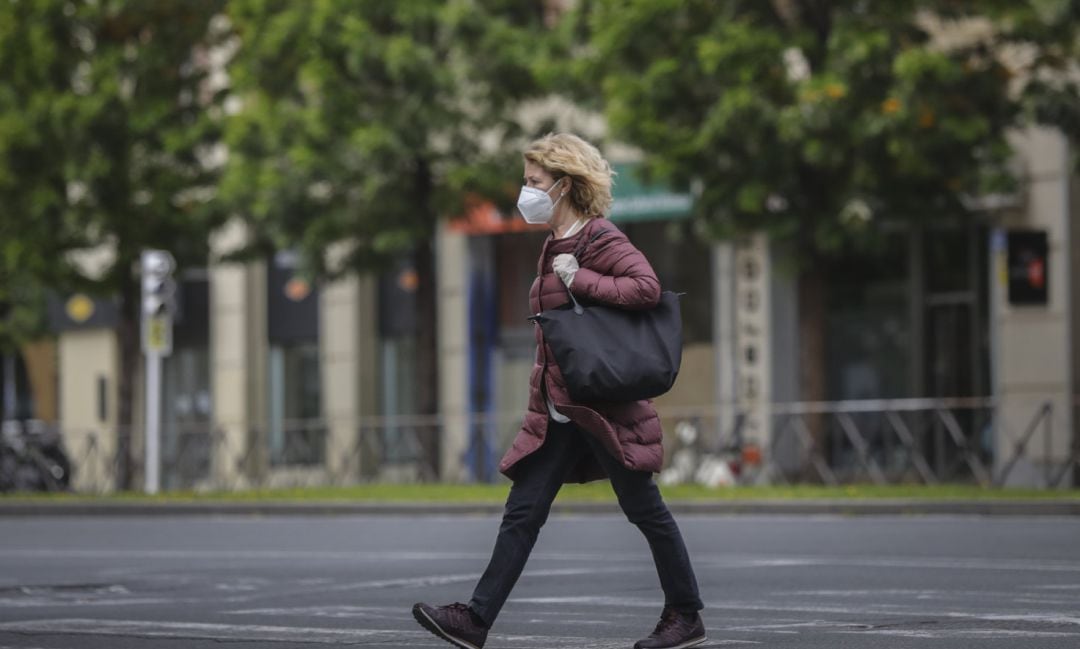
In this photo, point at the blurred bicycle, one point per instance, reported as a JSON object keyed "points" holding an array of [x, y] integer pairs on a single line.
{"points": [[32, 458]]}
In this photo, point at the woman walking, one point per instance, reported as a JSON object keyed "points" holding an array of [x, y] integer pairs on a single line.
{"points": [[568, 186]]}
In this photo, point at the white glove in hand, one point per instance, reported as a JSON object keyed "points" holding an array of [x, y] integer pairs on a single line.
{"points": [[565, 266]]}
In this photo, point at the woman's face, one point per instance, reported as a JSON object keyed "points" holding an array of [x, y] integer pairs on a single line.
{"points": [[538, 177]]}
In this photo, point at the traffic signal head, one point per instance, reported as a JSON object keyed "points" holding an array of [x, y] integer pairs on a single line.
{"points": [[158, 286]]}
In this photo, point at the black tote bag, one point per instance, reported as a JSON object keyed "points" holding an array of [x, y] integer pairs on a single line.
{"points": [[610, 354]]}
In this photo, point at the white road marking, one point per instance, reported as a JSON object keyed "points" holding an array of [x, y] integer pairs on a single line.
{"points": [[232, 555], [323, 635], [1038, 618], [1044, 617], [929, 563], [235, 597], [321, 555], [589, 600], [850, 628], [1013, 596], [884, 592], [384, 612], [962, 634], [1047, 601], [703, 560], [1075, 587], [82, 626], [436, 580], [793, 627], [50, 603]]}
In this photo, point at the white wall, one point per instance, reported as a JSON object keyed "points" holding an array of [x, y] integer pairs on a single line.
{"points": [[452, 264], [237, 361], [348, 322], [1031, 344]]}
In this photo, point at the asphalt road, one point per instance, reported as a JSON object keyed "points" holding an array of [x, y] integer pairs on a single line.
{"points": [[806, 582]]}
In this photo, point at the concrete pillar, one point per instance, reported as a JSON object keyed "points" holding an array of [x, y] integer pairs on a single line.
{"points": [[238, 358], [89, 369], [1031, 344], [724, 357], [753, 339], [452, 264], [348, 361]]}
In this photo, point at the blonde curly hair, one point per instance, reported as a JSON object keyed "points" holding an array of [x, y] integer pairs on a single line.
{"points": [[564, 154]]}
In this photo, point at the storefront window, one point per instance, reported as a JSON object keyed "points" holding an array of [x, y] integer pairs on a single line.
{"points": [[186, 421], [297, 433], [868, 328], [296, 430], [909, 318]]}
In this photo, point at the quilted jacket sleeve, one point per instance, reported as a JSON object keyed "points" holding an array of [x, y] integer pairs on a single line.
{"points": [[616, 273]]}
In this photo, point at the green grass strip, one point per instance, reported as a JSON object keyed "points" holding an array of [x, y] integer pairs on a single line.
{"points": [[593, 492]]}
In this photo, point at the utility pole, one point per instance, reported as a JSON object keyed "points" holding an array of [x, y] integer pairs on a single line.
{"points": [[158, 306]]}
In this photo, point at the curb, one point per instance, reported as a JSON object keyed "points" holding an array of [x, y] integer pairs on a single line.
{"points": [[798, 507]]}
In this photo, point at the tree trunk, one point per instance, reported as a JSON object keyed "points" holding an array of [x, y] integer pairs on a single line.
{"points": [[128, 332], [427, 369], [427, 339], [812, 361]]}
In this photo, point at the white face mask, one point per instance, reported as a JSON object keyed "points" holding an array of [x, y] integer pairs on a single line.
{"points": [[535, 205]]}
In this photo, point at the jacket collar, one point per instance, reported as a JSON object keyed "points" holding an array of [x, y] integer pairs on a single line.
{"points": [[570, 243]]}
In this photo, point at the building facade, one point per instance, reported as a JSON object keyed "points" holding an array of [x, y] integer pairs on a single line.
{"points": [[274, 382]]}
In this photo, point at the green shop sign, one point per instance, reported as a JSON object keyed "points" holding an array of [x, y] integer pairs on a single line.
{"points": [[635, 201]]}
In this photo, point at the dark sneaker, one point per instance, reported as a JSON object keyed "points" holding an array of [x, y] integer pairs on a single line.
{"points": [[675, 631], [453, 623]]}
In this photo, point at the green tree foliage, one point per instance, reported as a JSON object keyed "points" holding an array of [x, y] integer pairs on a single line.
{"points": [[815, 119], [107, 125], [364, 121]]}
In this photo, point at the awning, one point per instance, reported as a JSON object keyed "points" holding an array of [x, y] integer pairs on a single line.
{"points": [[635, 201]]}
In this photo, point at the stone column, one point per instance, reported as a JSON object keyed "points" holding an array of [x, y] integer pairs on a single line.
{"points": [[1031, 344], [348, 360], [238, 351], [452, 263], [753, 340]]}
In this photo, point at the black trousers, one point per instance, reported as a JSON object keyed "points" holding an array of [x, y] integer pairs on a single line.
{"points": [[539, 478]]}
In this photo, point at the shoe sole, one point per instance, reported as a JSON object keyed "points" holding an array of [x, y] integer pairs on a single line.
{"points": [[432, 626], [689, 643]]}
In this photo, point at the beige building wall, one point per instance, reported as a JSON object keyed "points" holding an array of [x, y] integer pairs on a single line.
{"points": [[1031, 348], [237, 365], [348, 336], [85, 358], [452, 263], [694, 390], [41, 367]]}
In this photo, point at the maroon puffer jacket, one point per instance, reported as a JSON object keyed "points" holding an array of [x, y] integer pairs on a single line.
{"points": [[615, 272]]}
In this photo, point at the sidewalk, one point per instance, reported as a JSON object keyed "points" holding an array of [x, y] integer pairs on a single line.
{"points": [[798, 507]]}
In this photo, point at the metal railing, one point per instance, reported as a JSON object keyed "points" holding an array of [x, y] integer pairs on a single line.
{"points": [[928, 441], [881, 442]]}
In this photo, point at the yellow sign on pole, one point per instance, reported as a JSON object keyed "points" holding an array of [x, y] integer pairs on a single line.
{"points": [[157, 335]]}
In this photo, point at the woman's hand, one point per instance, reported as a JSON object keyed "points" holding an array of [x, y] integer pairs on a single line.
{"points": [[565, 266]]}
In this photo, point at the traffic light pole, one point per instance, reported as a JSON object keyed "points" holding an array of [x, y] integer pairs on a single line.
{"points": [[158, 290], [153, 422]]}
